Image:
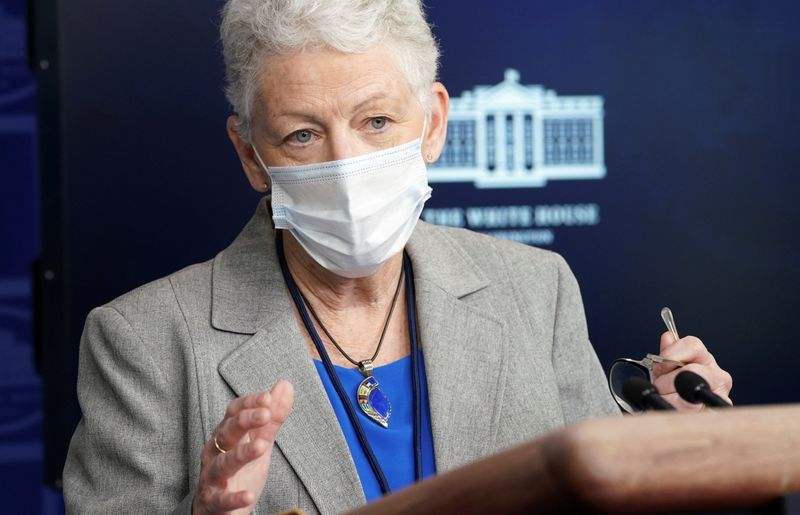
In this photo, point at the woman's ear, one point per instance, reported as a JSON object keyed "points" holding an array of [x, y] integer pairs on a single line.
{"points": [[437, 128], [256, 175]]}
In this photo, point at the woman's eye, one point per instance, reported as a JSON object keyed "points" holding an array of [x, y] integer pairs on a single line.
{"points": [[302, 136], [378, 123]]}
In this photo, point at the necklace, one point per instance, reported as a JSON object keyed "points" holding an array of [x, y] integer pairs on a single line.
{"points": [[294, 291], [372, 401]]}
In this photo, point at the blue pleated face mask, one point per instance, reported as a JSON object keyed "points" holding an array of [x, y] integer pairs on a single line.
{"points": [[352, 215]]}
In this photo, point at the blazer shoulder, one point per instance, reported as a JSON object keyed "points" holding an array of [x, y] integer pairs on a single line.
{"points": [[165, 296]]}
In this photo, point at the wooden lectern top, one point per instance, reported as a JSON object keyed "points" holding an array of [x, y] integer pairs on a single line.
{"points": [[648, 463]]}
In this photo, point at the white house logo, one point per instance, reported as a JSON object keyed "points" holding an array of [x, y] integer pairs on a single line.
{"points": [[514, 136]]}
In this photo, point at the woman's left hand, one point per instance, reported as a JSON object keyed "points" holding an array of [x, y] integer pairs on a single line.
{"points": [[691, 351]]}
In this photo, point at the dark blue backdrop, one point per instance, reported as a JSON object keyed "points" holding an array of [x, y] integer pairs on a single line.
{"points": [[696, 210]]}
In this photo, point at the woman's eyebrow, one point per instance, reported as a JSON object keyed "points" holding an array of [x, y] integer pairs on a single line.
{"points": [[385, 99], [388, 100], [296, 113]]}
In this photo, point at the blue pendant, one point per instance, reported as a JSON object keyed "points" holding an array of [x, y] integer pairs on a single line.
{"points": [[373, 402]]}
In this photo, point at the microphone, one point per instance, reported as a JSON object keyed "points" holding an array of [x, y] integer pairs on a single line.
{"points": [[644, 395], [693, 388]]}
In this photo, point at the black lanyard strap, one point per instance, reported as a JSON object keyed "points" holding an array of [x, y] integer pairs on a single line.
{"points": [[337, 385], [411, 308]]}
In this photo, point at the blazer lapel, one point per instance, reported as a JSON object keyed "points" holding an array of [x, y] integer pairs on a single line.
{"points": [[311, 439], [249, 297], [464, 350]]}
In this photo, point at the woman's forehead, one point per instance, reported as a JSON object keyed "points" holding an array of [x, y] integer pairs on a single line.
{"points": [[326, 79]]}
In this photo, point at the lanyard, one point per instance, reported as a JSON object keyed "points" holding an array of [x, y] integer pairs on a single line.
{"points": [[326, 361]]}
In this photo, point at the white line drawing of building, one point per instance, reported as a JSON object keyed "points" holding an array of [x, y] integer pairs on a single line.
{"points": [[515, 136]]}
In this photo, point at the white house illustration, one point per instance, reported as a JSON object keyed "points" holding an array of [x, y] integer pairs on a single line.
{"points": [[516, 136]]}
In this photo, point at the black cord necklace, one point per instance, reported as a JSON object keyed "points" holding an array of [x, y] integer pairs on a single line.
{"points": [[371, 399], [365, 366]]}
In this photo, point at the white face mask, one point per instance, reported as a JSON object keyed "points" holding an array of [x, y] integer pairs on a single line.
{"points": [[353, 214]]}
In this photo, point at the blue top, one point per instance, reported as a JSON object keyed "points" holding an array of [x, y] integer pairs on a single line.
{"points": [[393, 447]]}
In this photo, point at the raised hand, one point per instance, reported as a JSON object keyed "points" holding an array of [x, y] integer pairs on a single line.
{"points": [[235, 461]]}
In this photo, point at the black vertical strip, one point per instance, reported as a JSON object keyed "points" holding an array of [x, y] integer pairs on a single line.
{"points": [[36, 309], [58, 351], [411, 308], [30, 31]]}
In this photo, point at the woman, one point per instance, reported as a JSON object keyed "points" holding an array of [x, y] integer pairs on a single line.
{"points": [[338, 349]]}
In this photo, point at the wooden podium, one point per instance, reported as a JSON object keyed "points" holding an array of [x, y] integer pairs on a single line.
{"points": [[651, 463]]}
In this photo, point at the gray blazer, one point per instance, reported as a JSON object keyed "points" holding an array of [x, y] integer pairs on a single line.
{"points": [[503, 335]]}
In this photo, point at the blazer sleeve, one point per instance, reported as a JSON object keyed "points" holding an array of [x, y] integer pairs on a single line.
{"points": [[129, 451], [582, 384]]}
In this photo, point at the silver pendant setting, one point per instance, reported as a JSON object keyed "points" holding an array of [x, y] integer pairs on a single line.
{"points": [[371, 399]]}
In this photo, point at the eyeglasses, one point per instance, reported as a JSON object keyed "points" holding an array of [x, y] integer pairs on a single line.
{"points": [[623, 369]]}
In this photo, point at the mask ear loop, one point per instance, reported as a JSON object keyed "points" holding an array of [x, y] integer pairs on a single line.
{"points": [[428, 157], [267, 189]]}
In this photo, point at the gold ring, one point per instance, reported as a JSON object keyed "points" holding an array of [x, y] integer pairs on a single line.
{"points": [[218, 446]]}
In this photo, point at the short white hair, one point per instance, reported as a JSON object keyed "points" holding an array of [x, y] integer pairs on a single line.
{"points": [[252, 31]]}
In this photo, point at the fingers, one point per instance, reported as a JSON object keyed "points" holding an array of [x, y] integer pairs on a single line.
{"points": [[280, 407], [282, 400], [667, 340], [719, 380], [254, 400], [212, 495], [724, 386], [217, 472], [251, 415], [221, 501], [260, 415], [242, 415], [228, 464], [233, 429], [688, 349]]}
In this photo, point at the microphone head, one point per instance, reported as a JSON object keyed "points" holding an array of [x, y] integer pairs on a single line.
{"points": [[636, 389], [687, 384]]}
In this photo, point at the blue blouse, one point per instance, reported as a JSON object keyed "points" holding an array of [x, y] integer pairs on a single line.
{"points": [[393, 447]]}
